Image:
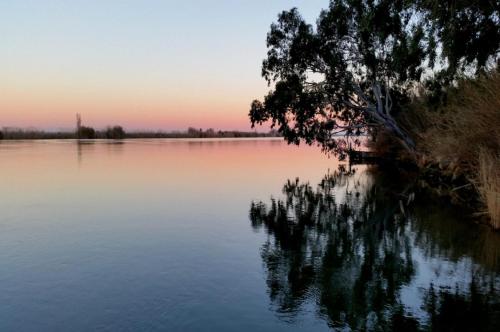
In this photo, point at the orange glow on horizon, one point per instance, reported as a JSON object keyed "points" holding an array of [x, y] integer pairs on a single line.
{"points": [[174, 115], [161, 65]]}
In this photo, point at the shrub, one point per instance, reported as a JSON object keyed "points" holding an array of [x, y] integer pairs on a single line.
{"points": [[86, 133], [115, 132]]}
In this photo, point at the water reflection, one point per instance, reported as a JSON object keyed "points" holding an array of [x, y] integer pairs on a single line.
{"points": [[87, 146], [365, 257]]}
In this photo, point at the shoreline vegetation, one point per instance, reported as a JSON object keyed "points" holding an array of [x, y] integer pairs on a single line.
{"points": [[457, 152], [458, 143], [420, 78], [117, 132]]}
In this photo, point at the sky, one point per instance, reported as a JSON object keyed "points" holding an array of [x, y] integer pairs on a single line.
{"points": [[155, 65]]}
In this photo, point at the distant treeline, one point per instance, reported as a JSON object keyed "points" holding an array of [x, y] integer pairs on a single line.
{"points": [[200, 133], [117, 132]]}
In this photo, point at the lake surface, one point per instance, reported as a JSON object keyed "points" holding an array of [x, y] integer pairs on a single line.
{"points": [[225, 235]]}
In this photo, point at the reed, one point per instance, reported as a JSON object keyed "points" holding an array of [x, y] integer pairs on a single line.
{"points": [[469, 122], [459, 140], [489, 185], [464, 138]]}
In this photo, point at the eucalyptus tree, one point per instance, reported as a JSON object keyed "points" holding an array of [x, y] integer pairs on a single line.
{"points": [[361, 63], [463, 36]]}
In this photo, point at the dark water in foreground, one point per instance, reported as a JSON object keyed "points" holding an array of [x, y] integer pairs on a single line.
{"points": [[159, 235]]}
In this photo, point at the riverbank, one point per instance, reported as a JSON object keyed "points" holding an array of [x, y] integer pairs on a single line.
{"points": [[458, 144]]}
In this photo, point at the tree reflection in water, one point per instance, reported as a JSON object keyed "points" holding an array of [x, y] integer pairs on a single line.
{"points": [[369, 259]]}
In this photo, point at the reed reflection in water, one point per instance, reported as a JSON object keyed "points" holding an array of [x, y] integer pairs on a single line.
{"points": [[367, 257]]}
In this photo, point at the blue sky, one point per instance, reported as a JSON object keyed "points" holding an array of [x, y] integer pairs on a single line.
{"points": [[146, 64]]}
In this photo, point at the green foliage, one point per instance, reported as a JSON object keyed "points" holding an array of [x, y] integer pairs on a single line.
{"points": [[362, 62], [463, 39], [467, 32]]}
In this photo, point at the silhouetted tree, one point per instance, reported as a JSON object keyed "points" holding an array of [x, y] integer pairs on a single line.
{"points": [[115, 132], [193, 132], [361, 63], [463, 35], [210, 132], [1, 134], [86, 132]]}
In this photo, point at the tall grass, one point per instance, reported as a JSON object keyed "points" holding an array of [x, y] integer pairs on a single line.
{"points": [[463, 137], [489, 185], [467, 124]]}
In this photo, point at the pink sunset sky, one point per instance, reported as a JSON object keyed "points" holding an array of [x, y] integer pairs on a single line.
{"points": [[155, 65]]}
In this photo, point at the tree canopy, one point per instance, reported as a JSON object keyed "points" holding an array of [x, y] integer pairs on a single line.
{"points": [[362, 61], [115, 132]]}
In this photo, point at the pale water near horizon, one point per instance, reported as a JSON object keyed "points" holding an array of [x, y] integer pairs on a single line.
{"points": [[218, 235]]}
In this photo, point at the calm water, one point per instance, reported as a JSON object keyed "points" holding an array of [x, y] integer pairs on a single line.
{"points": [[247, 235]]}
